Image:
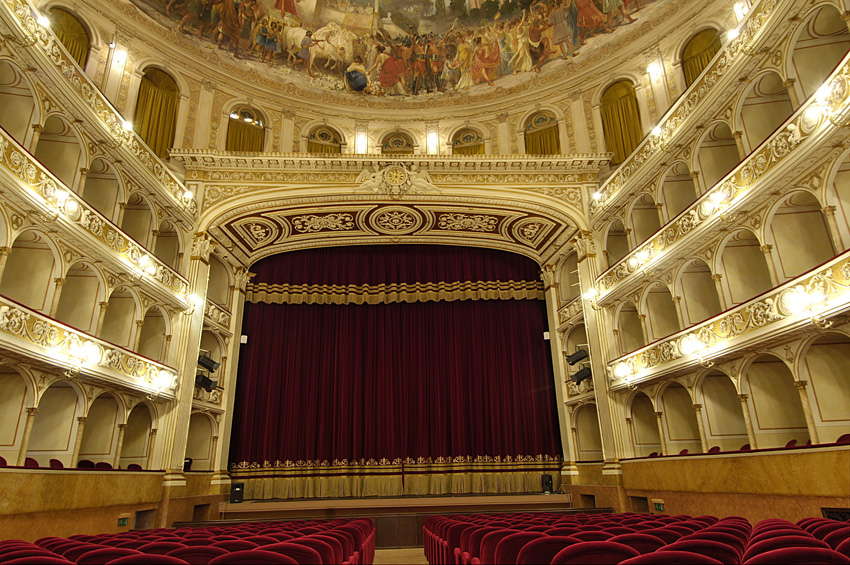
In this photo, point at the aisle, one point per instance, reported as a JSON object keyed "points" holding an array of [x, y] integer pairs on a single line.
{"points": [[413, 556]]}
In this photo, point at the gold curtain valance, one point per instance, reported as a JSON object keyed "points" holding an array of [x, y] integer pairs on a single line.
{"points": [[383, 293]]}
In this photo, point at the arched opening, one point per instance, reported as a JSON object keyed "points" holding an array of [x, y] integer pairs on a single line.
{"points": [[156, 110], [745, 271], [53, 431], [397, 143], [800, 234], [616, 243], [211, 347], [717, 154], [826, 363], [246, 130], [467, 141], [71, 32], [17, 103], [569, 286], [823, 43], [838, 195], [78, 298], [680, 419], [630, 329], [698, 53], [588, 438], [542, 136], [137, 435], [167, 244], [661, 312], [677, 190], [138, 219], [15, 397], [101, 189], [778, 414], [621, 120], [574, 341], [645, 220], [200, 444], [765, 108], [99, 433], [725, 426], [119, 318], [218, 289], [60, 151], [152, 336], [29, 271], [698, 290], [645, 438], [324, 139]]}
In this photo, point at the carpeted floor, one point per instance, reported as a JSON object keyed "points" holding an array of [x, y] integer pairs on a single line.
{"points": [[413, 556]]}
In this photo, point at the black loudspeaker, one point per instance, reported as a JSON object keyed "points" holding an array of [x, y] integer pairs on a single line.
{"points": [[547, 484], [237, 491], [187, 464]]}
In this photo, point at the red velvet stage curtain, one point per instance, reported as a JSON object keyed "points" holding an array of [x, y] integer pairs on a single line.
{"points": [[325, 382]]}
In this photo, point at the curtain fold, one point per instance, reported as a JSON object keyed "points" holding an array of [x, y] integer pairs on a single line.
{"points": [[474, 149], [156, 111], [543, 141], [317, 147], [621, 120], [698, 53], [246, 137], [71, 33]]}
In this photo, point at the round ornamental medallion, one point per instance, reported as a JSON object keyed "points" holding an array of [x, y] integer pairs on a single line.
{"points": [[396, 220], [395, 176]]}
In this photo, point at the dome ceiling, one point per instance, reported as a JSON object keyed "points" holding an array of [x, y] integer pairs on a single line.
{"points": [[401, 47]]}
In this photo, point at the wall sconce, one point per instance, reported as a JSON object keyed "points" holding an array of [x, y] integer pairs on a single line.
{"points": [[432, 142], [361, 143], [741, 10], [655, 70], [119, 57]]}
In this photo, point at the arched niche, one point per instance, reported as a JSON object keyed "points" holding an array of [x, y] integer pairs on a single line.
{"points": [[467, 141], [101, 189], [616, 243], [680, 420], [17, 103], [645, 438], [698, 290], [645, 220], [717, 154], [155, 118], [30, 270], [588, 438], [324, 139], [661, 312], [218, 289], [152, 335], [621, 123], [15, 398], [138, 220], [79, 297], [569, 287], [246, 130], [137, 435], [800, 233], [677, 190], [212, 346], [745, 272], [54, 429], [778, 414], [724, 420], [397, 143], [100, 431], [72, 33], [630, 329], [118, 320], [60, 150], [827, 361], [765, 108], [167, 244], [821, 45], [698, 53], [200, 443], [542, 136]]}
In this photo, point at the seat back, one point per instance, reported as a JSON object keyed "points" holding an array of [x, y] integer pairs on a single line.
{"points": [[722, 552], [771, 544], [594, 553], [799, 556], [643, 543], [197, 555], [543, 550], [509, 546], [253, 557]]}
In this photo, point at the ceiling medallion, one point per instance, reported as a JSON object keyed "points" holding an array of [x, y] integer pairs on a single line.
{"points": [[396, 181], [397, 220]]}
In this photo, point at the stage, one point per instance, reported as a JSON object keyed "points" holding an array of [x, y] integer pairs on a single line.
{"points": [[398, 520]]}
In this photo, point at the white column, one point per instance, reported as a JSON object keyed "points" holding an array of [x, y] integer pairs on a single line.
{"points": [[599, 130], [78, 440], [580, 126], [703, 440], [748, 420], [563, 137], [806, 404], [662, 433], [287, 131], [203, 115], [25, 438], [129, 109], [119, 446], [503, 135], [647, 118]]}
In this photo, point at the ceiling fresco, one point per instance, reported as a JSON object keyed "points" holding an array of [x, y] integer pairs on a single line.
{"points": [[400, 47]]}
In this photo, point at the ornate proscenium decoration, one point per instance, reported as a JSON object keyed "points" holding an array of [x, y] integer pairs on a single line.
{"points": [[396, 180]]}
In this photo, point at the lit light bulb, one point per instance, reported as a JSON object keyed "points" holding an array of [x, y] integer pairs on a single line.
{"points": [[633, 262], [656, 131], [188, 195], [733, 34], [597, 196], [823, 93], [234, 116], [590, 294], [119, 57], [127, 126], [643, 256], [741, 10], [798, 300], [691, 344], [164, 380], [43, 20], [195, 300], [654, 69], [622, 370]]}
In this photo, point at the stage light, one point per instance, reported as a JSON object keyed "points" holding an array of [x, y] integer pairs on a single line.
{"points": [[581, 375], [206, 383], [579, 355], [208, 363]]}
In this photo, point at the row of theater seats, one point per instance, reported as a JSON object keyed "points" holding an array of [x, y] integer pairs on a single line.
{"points": [[632, 539], [350, 542], [30, 463], [791, 444]]}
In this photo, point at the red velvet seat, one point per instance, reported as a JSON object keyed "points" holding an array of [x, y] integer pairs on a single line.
{"points": [[722, 537], [562, 531], [771, 544], [799, 556], [509, 547], [473, 547], [335, 544], [253, 557], [20, 553], [592, 535], [261, 540], [30, 463], [103, 556], [56, 464], [835, 537], [197, 555], [130, 543], [74, 553], [148, 559], [594, 553], [39, 560], [161, 547], [543, 550], [301, 553], [724, 553], [200, 542], [777, 533], [667, 535], [671, 558], [643, 543], [489, 543], [324, 549], [235, 545], [823, 530]]}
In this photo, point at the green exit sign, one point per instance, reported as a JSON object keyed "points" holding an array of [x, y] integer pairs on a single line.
{"points": [[123, 522], [659, 507]]}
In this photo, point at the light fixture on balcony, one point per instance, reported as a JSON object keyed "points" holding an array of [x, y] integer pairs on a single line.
{"points": [[691, 344], [623, 371], [741, 10], [127, 125], [597, 196], [655, 70], [656, 131], [119, 57], [43, 20], [802, 301], [164, 380], [147, 265], [733, 34], [188, 195]]}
